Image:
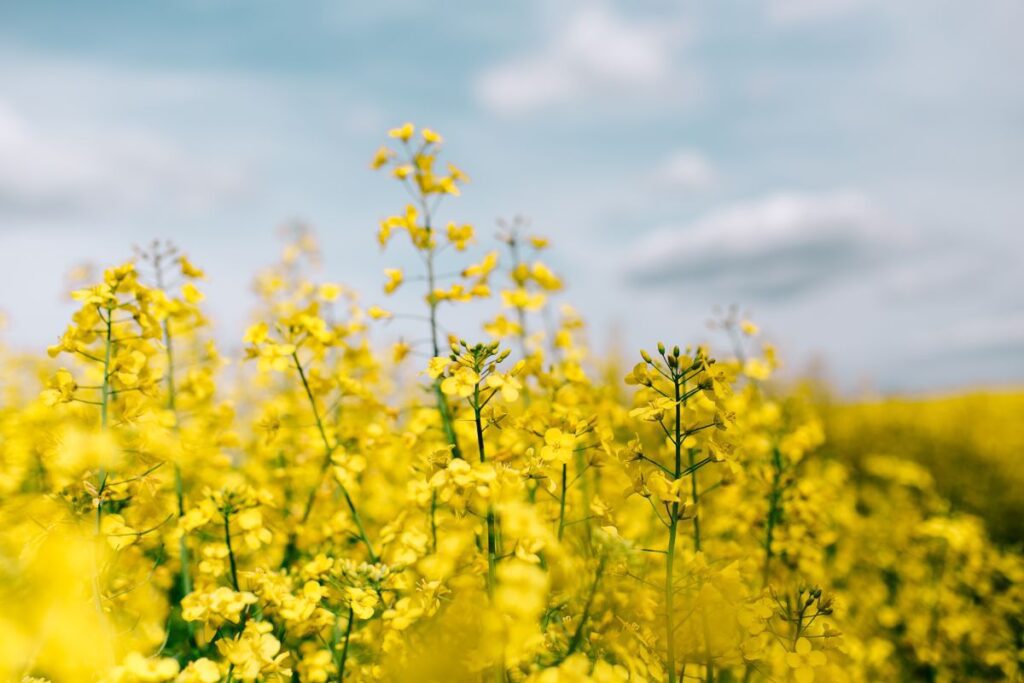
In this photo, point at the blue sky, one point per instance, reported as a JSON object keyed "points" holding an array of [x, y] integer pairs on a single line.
{"points": [[848, 171]]}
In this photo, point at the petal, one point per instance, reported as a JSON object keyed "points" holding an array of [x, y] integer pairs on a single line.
{"points": [[804, 675]]}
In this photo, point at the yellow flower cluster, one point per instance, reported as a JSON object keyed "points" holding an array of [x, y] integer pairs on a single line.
{"points": [[511, 509]]}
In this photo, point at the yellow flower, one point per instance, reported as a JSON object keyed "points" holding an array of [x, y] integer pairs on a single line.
{"points": [[462, 383], [119, 535], [436, 366], [361, 601], [804, 660], [189, 270], [395, 279], [317, 666], [456, 174], [558, 446], [403, 133], [543, 276], [502, 327], [507, 385], [484, 267], [430, 136], [447, 186], [329, 291], [62, 388], [378, 313], [381, 157], [460, 235], [400, 351], [191, 293], [137, 667], [664, 490], [256, 653], [202, 670], [654, 410], [520, 298], [256, 334], [756, 368]]}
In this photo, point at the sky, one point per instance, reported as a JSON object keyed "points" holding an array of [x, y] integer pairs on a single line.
{"points": [[848, 172]]}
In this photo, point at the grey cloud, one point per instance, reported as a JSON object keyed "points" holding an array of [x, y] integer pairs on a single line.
{"points": [[594, 54], [780, 246], [45, 173]]}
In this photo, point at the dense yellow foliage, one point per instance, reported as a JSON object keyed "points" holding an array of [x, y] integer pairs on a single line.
{"points": [[504, 508], [973, 444]]}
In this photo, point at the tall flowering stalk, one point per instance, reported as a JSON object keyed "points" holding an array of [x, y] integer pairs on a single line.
{"points": [[670, 383], [180, 319], [414, 168], [471, 373], [303, 330], [530, 285]]}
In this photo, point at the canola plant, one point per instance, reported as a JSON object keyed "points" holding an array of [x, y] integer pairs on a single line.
{"points": [[493, 505]]}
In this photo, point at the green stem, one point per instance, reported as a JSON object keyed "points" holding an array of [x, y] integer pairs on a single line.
{"points": [[447, 423], [587, 491], [186, 575], [328, 451], [344, 651], [105, 393], [670, 555], [179, 488], [561, 507], [433, 521], [231, 552], [102, 475], [443, 409], [577, 637], [492, 549], [695, 493], [492, 535], [670, 558], [105, 388], [774, 498]]}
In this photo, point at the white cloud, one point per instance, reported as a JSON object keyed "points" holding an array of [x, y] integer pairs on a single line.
{"points": [[46, 171], [778, 246], [790, 12], [686, 169], [595, 53]]}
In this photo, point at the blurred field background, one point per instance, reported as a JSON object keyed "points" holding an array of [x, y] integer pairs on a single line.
{"points": [[971, 443]]}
